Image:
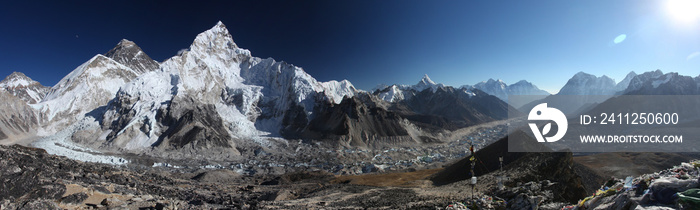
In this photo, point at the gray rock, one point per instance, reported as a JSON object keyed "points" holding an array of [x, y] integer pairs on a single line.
{"points": [[75, 198]]}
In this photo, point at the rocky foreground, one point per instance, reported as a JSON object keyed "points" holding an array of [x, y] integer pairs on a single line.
{"points": [[33, 179]]}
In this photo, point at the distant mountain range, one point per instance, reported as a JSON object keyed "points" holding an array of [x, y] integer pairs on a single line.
{"points": [[501, 90], [439, 106]]}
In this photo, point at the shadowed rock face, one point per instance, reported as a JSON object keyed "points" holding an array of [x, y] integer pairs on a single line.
{"points": [[488, 157], [131, 55], [364, 120], [192, 124], [451, 109], [521, 167], [359, 121]]}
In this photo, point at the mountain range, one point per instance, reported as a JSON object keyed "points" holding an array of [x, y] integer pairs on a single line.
{"points": [[594, 90], [215, 100], [501, 90]]}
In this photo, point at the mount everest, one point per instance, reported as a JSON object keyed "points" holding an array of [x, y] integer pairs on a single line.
{"points": [[215, 99]]}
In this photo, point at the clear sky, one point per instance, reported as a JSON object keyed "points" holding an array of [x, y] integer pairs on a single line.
{"points": [[372, 42]]}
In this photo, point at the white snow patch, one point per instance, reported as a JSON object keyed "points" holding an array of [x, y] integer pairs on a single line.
{"points": [[165, 165], [392, 95], [656, 83]]}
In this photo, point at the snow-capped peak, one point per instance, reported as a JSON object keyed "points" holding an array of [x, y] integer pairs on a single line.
{"points": [[251, 95], [587, 84], [129, 54], [126, 43], [426, 83], [491, 80], [86, 88], [218, 37], [396, 92], [24, 87], [391, 94], [499, 83], [426, 80], [501, 90], [622, 85], [16, 79]]}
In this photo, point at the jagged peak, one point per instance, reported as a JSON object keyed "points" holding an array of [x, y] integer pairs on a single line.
{"points": [[625, 81], [426, 80], [124, 48], [17, 79], [128, 53], [650, 74], [216, 37], [126, 43], [581, 75], [220, 25], [491, 81], [123, 44], [16, 74]]}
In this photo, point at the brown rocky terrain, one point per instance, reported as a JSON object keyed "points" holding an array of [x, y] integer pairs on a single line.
{"points": [[623, 164], [33, 179]]}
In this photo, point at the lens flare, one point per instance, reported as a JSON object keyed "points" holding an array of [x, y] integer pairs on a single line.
{"points": [[620, 38], [684, 10]]}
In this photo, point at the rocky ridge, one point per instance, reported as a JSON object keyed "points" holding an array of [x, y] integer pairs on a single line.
{"points": [[23, 87]]}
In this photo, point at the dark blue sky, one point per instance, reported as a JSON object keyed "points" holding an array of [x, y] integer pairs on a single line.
{"points": [[370, 42]]}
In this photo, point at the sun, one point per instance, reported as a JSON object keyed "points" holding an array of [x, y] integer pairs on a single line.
{"points": [[684, 10]]}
